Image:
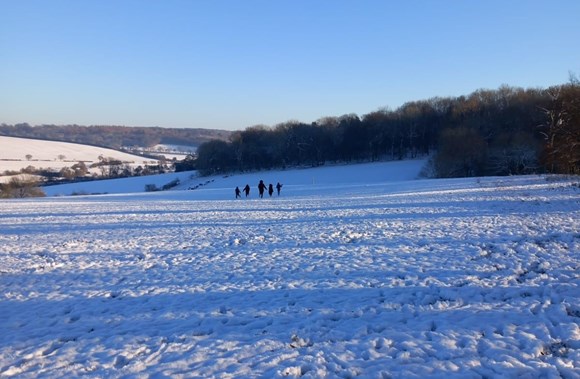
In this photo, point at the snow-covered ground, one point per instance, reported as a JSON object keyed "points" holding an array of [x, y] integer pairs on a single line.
{"points": [[222, 187], [117, 186], [56, 155], [380, 278]]}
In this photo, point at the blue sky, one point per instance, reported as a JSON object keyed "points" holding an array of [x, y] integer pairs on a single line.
{"points": [[233, 64]]}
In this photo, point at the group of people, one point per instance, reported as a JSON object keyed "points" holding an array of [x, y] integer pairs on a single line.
{"points": [[261, 189]]}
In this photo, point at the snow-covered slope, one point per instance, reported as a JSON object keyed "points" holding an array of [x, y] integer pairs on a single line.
{"points": [[48, 154], [117, 186], [465, 278], [222, 187]]}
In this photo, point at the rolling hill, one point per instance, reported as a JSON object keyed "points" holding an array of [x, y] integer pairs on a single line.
{"points": [[19, 153]]}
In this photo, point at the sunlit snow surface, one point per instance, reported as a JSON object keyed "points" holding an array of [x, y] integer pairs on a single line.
{"points": [[430, 278]]}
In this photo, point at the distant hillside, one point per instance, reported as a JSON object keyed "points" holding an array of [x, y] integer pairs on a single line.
{"points": [[115, 137], [18, 153]]}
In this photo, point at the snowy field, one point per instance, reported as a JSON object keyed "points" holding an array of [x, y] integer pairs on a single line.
{"points": [[56, 155], [466, 278], [222, 187]]}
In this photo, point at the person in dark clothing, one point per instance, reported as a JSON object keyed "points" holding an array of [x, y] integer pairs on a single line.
{"points": [[238, 192], [247, 190], [270, 189], [261, 188], [278, 188]]}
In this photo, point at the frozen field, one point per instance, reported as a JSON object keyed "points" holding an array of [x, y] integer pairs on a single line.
{"points": [[470, 278]]}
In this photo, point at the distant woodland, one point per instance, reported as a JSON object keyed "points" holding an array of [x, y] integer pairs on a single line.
{"points": [[115, 137], [506, 131]]}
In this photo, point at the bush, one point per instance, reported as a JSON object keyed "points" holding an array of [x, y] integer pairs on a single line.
{"points": [[20, 188], [151, 188], [170, 185]]}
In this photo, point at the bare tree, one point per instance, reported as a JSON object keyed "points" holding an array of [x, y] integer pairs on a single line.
{"points": [[562, 129], [20, 188]]}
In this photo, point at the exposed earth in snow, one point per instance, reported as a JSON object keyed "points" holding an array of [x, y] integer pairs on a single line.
{"points": [[382, 278]]}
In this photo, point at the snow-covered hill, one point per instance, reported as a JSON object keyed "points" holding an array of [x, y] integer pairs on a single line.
{"points": [[222, 187], [338, 277], [19, 153]]}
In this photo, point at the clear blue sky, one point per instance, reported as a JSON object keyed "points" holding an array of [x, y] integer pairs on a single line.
{"points": [[233, 64]]}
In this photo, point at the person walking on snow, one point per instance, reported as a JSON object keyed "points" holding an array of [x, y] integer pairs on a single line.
{"points": [[247, 190], [270, 189], [261, 188], [278, 188], [238, 192]]}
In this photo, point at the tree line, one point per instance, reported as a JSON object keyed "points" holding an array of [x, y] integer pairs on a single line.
{"points": [[114, 137], [505, 131], [26, 182]]}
